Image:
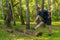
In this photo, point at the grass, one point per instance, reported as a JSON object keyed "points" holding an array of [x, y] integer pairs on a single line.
{"points": [[4, 35]]}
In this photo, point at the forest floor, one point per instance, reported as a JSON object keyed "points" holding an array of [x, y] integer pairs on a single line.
{"points": [[4, 35]]}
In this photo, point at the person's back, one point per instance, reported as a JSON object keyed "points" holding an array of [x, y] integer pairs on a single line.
{"points": [[44, 14]]}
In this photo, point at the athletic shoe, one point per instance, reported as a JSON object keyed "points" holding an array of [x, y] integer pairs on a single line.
{"points": [[38, 34], [32, 28]]}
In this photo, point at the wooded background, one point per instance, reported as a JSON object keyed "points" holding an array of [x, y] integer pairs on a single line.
{"points": [[19, 8]]}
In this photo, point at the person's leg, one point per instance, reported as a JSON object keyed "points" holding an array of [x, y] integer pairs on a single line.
{"points": [[38, 33], [49, 26], [50, 30], [41, 23], [34, 28]]}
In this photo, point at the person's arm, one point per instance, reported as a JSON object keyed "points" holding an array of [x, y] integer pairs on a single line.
{"points": [[36, 18]]}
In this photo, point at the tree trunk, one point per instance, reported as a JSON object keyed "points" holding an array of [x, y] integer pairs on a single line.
{"points": [[3, 16], [42, 5], [49, 3], [2, 9], [52, 3], [52, 6], [49, 8], [7, 16], [27, 15], [12, 11], [20, 13], [37, 10]]}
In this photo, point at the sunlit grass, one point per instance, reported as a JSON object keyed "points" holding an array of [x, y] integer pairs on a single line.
{"points": [[55, 23]]}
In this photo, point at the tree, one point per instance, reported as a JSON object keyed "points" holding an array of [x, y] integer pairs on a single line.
{"points": [[42, 5], [2, 9], [52, 5], [27, 15], [49, 4], [11, 2], [20, 13], [49, 8], [3, 16], [7, 17]]}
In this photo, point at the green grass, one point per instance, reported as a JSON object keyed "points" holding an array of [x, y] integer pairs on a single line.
{"points": [[16, 36]]}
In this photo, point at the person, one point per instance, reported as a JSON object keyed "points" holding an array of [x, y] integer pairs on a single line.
{"points": [[46, 19]]}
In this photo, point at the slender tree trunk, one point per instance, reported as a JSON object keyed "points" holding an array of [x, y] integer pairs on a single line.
{"points": [[52, 6], [37, 10], [42, 5], [2, 9], [49, 4], [7, 16], [3, 12], [52, 3], [20, 13], [49, 8], [27, 15], [7, 5], [12, 11]]}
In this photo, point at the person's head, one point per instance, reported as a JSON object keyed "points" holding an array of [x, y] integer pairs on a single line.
{"points": [[38, 8]]}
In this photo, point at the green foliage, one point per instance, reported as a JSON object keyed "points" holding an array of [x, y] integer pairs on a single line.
{"points": [[32, 7]]}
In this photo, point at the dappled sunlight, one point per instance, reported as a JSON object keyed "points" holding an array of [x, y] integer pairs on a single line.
{"points": [[38, 38], [12, 35], [17, 39], [42, 38], [55, 23], [55, 31]]}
